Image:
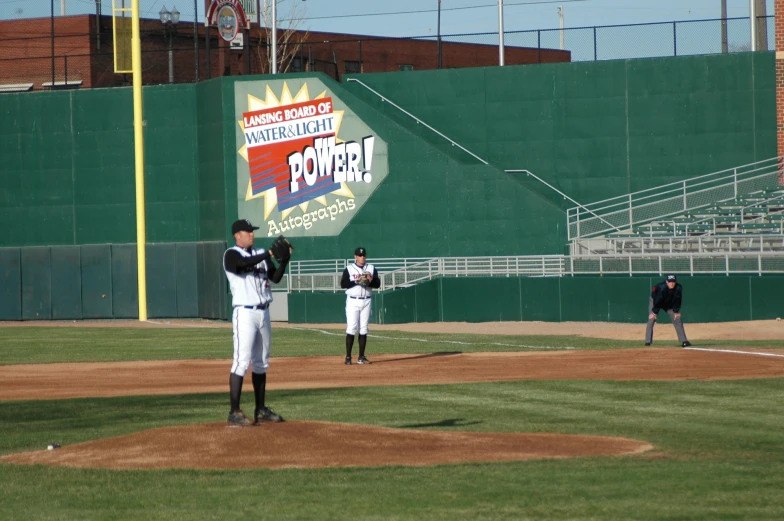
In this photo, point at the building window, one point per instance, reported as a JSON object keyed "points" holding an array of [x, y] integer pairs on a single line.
{"points": [[297, 64], [352, 67], [406, 67]]}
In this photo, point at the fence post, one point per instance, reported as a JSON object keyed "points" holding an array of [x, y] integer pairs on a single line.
{"points": [[539, 45], [684, 196], [578, 223], [631, 213], [595, 52], [207, 48], [674, 38], [735, 182]]}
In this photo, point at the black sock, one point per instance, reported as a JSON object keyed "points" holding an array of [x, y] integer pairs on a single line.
{"points": [[349, 344], [235, 391], [259, 389], [362, 343]]}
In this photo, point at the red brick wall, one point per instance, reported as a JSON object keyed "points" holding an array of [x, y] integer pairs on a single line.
{"points": [[27, 53], [778, 10]]}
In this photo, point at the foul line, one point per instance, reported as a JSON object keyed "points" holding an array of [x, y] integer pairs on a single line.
{"points": [[754, 353], [438, 341]]}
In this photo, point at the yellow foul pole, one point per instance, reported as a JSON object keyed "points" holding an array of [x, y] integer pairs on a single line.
{"points": [[138, 134]]}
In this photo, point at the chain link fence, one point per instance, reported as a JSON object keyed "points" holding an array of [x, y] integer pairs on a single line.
{"points": [[44, 49]]}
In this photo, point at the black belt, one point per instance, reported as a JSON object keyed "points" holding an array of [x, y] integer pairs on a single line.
{"points": [[261, 306], [358, 298]]}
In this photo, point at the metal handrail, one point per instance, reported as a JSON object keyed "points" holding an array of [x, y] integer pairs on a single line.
{"points": [[548, 185], [624, 206], [419, 121]]}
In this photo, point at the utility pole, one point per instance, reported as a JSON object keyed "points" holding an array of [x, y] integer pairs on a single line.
{"points": [[501, 60], [561, 24], [439, 34], [724, 47], [761, 24]]}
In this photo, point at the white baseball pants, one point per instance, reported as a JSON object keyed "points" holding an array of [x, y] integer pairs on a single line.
{"points": [[357, 315], [252, 337]]}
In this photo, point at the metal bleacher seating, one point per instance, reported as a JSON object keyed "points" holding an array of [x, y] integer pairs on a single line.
{"points": [[751, 222]]}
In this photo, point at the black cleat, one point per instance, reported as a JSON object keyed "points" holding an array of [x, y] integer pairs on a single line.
{"points": [[686, 344], [348, 360], [267, 415], [647, 343], [238, 419], [362, 360]]}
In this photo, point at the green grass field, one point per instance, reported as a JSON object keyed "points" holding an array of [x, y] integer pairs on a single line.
{"points": [[719, 444]]}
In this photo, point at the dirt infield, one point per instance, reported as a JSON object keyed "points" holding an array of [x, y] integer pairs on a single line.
{"points": [[60, 381], [748, 330], [215, 446]]}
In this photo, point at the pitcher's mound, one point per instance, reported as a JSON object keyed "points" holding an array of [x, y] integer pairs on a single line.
{"points": [[318, 444]]}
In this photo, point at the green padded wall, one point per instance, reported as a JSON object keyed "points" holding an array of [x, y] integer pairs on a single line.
{"points": [[125, 292], [10, 284], [36, 284], [66, 278], [184, 280], [96, 281], [566, 299]]}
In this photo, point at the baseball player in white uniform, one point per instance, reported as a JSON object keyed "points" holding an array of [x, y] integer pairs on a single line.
{"points": [[249, 271], [358, 280]]}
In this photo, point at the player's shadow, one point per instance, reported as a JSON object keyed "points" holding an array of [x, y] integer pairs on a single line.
{"points": [[417, 357], [452, 422]]}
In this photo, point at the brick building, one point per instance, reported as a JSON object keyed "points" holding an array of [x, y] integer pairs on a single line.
{"points": [[81, 54]]}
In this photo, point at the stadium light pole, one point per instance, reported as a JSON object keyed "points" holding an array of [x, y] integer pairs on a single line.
{"points": [[753, 20], [501, 60], [274, 45]]}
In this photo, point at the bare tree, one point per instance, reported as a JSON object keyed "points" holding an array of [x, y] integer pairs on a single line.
{"points": [[290, 38]]}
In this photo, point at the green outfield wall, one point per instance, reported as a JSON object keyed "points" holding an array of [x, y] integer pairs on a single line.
{"points": [[185, 280], [593, 130], [565, 299], [596, 130]]}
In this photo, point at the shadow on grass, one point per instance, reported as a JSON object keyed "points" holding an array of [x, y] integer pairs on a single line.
{"points": [[429, 355], [452, 422]]}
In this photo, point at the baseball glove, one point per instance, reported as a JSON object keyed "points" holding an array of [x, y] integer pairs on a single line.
{"points": [[364, 280], [281, 248]]}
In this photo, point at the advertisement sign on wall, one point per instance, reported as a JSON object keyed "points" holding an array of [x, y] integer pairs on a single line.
{"points": [[305, 165]]}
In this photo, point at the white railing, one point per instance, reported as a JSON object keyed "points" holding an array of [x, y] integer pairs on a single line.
{"points": [[410, 272], [625, 211], [740, 243]]}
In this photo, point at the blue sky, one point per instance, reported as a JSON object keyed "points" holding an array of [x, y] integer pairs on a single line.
{"points": [[420, 17]]}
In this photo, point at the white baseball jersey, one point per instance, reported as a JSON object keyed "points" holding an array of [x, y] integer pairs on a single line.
{"points": [[358, 300], [251, 288], [355, 272], [250, 291]]}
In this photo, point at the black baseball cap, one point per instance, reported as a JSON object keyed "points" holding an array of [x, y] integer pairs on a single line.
{"points": [[671, 278], [362, 252], [243, 225]]}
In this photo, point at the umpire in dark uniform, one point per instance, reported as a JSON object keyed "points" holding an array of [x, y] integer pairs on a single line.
{"points": [[666, 295]]}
